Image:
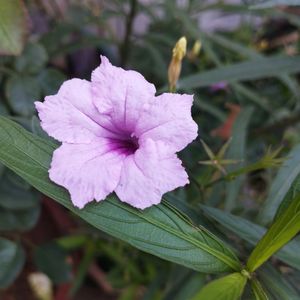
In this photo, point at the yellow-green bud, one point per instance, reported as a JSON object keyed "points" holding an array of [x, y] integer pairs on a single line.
{"points": [[178, 53]]}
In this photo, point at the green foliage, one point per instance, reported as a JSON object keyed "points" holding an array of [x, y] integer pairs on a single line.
{"points": [[12, 259], [277, 286], [252, 233], [284, 228], [197, 248], [237, 151], [21, 92], [240, 178], [268, 67], [19, 206], [187, 286], [52, 260], [13, 26], [280, 186], [89, 255], [269, 3], [33, 59], [50, 80], [289, 197], [258, 290], [229, 287]]}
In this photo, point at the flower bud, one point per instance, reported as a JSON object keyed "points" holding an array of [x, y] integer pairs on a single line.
{"points": [[196, 48], [41, 286], [179, 51], [194, 52]]}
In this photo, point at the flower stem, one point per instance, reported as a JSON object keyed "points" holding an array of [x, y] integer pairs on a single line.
{"points": [[125, 47]]}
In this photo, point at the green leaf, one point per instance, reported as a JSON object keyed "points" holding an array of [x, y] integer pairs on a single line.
{"points": [[248, 70], [205, 106], [276, 284], [194, 214], [21, 92], [14, 197], [252, 233], [2, 169], [258, 290], [248, 52], [237, 151], [280, 186], [160, 230], [19, 205], [50, 80], [270, 3], [16, 180], [3, 112], [291, 194], [13, 26], [284, 228], [3, 109], [246, 93], [21, 220], [52, 260], [229, 287], [32, 60], [72, 242], [186, 287], [12, 259], [88, 257]]}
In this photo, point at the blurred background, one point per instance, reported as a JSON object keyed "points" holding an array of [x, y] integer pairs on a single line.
{"points": [[242, 66]]}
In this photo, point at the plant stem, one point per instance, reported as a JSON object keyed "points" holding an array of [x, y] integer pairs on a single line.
{"points": [[125, 47]]}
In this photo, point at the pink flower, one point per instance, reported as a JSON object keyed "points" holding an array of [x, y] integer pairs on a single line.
{"points": [[117, 136]]}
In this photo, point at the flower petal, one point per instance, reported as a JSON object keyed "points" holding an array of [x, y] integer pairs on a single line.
{"points": [[120, 94], [148, 174], [168, 118], [88, 171], [70, 115]]}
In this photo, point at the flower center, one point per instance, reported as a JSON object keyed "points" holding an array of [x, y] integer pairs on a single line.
{"points": [[127, 144], [131, 144]]}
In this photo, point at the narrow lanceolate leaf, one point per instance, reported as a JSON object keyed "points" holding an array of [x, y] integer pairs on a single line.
{"points": [[12, 259], [276, 284], [229, 287], [252, 233], [284, 228], [258, 290], [270, 3], [289, 197], [280, 186], [13, 26], [160, 230], [237, 151], [248, 70], [247, 52]]}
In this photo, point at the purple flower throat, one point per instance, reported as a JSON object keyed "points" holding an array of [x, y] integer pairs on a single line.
{"points": [[125, 144]]}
